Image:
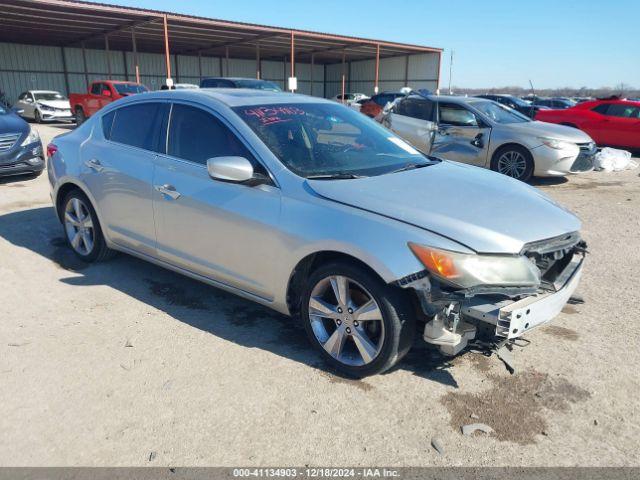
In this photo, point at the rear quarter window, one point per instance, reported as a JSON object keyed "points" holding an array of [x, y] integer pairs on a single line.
{"points": [[138, 125], [107, 123]]}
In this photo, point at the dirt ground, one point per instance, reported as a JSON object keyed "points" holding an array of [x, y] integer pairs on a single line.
{"points": [[127, 364]]}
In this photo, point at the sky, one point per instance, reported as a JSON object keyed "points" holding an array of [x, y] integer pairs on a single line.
{"points": [[496, 43]]}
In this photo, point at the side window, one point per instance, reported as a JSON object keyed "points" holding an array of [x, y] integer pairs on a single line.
{"points": [[105, 88], [107, 124], [623, 111], [452, 114], [416, 108], [601, 109], [22, 96], [96, 88], [137, 125], [197, 136]]}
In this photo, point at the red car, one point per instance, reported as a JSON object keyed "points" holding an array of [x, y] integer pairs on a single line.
{"points": [[608, 122], [101, 93]]}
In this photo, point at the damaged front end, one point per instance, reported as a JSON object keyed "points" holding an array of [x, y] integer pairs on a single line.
{"points": [[463, 300]]}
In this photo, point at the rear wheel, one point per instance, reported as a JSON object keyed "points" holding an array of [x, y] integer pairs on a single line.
{"points": [[82, 228], [514, 161], [360, 325], [80, 116]]}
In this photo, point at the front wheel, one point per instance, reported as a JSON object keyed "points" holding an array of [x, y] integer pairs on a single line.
{"points": [[80, 116], [514, 161], [37, 117], [360, 325]]}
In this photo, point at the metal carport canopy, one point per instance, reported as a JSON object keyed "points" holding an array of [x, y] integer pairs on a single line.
{"points": [[72, 23]]}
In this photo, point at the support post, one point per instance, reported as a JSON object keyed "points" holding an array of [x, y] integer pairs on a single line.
{"points": [[175, 56], [166, 48], [84, 63], [343, 75], [135, 54], [258, 60], [313, 65], [64, 69], [106, 47], [376, 87], [126, 67], [199, 66], [226, 61], [406, 71], [293, 56]]}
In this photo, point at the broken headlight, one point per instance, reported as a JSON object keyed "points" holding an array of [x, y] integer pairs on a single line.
{"points": [[469, 270]]}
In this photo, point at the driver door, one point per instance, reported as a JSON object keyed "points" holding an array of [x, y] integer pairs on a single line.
{"points": [[461, 135], [413, 120], [222, 231]]}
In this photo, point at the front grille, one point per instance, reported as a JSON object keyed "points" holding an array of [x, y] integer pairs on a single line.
{"points": [[584, 161], [8, 140], [551, 256], [588, 147]]}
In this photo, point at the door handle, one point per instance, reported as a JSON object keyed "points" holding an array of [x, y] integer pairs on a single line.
{"points": [[168, 190], [94, 164]]}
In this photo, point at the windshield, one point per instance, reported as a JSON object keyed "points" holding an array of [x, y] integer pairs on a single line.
{"points": [[317, 140], [519, 102], [259, 85], [499, 113], [127, 88], [49, 96]]}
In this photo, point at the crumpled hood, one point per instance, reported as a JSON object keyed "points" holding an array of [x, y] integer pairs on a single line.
{"points": [[55, 103], [551, 130], [483, 210]]}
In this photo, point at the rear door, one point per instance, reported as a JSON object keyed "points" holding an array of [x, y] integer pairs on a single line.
{"points": [[461, 135], [413, 119], [118, 169], [623, 125], [223, 231]]}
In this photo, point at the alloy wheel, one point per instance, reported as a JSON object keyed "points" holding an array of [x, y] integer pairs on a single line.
{"points": [[346, 320], [79, 226], [512, 163]]}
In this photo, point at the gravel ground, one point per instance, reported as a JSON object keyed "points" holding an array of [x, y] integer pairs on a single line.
{"points": [[126, 364]]}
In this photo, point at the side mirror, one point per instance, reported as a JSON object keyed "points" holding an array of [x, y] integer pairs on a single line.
{"points": [[230, 169], [106, 93]]}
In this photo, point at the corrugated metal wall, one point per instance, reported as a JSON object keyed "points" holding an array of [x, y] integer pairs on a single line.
{"points": [[28, 67], [415, 71]]}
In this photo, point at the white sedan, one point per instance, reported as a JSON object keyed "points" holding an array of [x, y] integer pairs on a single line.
{"points": [[44, 105]]}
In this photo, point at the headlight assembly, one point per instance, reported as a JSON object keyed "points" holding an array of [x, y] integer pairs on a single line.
{"points": [[469, 270], [556, 144], [31, 138], [45, 108]]}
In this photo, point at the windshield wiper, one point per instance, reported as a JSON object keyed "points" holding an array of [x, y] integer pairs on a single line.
{"points": [[411, 166], [335, 176]]}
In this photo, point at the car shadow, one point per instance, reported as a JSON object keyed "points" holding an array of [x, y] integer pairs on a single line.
{"points": [[18, 178], [548, 181], [202, 306]]}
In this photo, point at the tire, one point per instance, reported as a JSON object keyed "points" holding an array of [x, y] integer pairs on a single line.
{"points": [[519, 157], [80, 116], [78, 216], [37, 117], [390, 330]]}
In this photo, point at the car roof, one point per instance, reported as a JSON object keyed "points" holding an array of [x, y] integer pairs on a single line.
{"points": [[231, 97], [43, 91]]}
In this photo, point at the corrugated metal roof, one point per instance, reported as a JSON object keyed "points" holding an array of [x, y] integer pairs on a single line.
{"points": [[72, 22]]}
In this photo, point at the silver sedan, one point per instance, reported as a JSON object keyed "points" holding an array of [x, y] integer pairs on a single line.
{"points": [[320, 213], [487, 134]]}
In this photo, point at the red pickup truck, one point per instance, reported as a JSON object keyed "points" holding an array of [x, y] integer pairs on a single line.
{"points": [[101, 93]]}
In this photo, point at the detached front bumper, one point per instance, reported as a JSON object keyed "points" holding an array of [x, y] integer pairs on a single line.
{"points": [[514, 318], [57, 115]]}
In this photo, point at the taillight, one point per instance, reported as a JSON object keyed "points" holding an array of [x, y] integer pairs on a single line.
{"points": [[51, 150]]}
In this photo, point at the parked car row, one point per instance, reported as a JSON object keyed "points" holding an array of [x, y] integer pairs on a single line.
{"points": [[310, 208]]}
